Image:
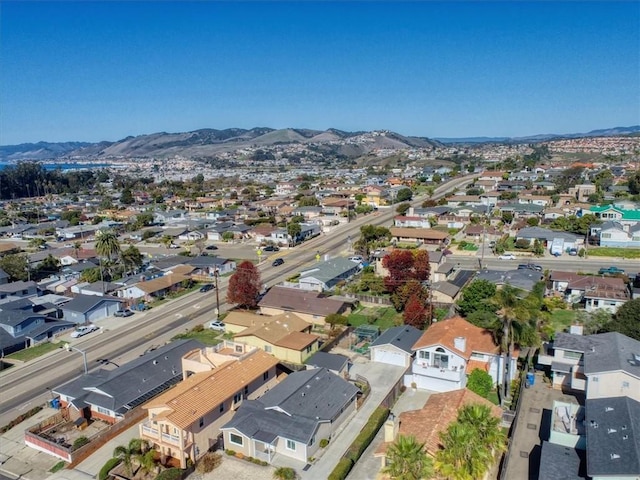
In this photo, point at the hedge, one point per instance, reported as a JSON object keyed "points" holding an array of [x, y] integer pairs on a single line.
{"points": [[360, 444], [170, 474], [110, 465], [342, 469]]}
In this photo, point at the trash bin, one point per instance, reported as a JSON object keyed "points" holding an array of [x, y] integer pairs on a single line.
{"points": [[531, 378]]}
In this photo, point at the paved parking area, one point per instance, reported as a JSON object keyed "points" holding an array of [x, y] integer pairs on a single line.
{"points": [[236, 469]]}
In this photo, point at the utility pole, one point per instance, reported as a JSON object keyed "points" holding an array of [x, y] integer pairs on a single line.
{"points": [[216, 276]]}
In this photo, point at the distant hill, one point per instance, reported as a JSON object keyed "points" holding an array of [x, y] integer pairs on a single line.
{"points": [[607, 132], [210, 142]]}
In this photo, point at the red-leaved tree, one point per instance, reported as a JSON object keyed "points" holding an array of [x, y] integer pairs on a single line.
{"points": [[415, 312], [399, 264], [245, 285]]}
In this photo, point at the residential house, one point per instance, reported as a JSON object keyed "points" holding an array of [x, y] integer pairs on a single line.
{"points": [[376, 196], [158, 287], [426, 236], [427, 423], [411, 222], [449, 350], [598, 293], [616, 234], [582, 192], [460, 200], [184, 422], [286, 336], [524, 279], [292, 418], [615, 213], [326, 275], [109, 394], [547, 237], [334, 362], [395, 346], [310, 306], [19, 289], [90, 308]]}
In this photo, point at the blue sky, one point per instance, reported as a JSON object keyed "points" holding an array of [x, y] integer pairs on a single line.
{"points": [[105, 70]]}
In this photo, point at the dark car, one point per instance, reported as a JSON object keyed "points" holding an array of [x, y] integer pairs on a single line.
{"points": [[207, 287], [271, 248], [277, 261], [610, 271], [123, 313], [211, 247]]}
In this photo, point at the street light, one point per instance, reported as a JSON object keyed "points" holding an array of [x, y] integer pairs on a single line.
{"points": [[68, 348], [216, 276]]}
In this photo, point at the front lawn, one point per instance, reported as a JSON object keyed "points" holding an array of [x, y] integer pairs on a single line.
{"points": [[34, 352], [613, 252], [383, 317], [204, 335], [562, 319]]}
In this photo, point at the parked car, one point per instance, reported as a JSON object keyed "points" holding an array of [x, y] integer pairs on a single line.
{"points": [[123, 313], [610, 271], [507, 256], [271, 248], [206, 287], [277, 261], [83, 330], [573, 252], [211, 247], [217, 325]]}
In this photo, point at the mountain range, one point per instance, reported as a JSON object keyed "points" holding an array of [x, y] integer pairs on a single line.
{"points": [[210, 142]]}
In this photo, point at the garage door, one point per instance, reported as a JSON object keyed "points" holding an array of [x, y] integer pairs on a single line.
{"points": [[389, 357]]}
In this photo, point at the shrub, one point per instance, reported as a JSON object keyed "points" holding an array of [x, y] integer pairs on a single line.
{"points": [[523, 243], [285, 473], [367, 433], [231, 453], [80, 442], [198, 328], [20, 419], [107, 467], [324, 442], [170, 474], [209, 462], [342, 469], [58, 466]]}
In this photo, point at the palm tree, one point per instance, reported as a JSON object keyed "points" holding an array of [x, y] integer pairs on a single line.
{"points": [[462, 457], [514, 313], [408, 460], [107, 244], [131, 258], [146, 460], [486, 425], [77, 246], [126, 454]]}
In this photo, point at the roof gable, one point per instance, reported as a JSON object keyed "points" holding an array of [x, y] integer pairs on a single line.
{"points": [[444, 333]]}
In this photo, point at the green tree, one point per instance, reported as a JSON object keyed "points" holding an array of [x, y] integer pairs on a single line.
{"points": [[334, 319], [480, 382], [126, 198], [626, 320], [132, 258], [402, 208], [107, 244], [16, 265], [404, 194], [293, 230], [37, 242], [285, 473], [407, 459], [127, 454], [476, 296]]}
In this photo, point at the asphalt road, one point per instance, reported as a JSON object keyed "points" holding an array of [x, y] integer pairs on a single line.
{"points": [[124, 339]]}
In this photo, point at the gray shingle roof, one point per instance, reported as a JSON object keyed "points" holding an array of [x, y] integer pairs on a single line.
{"points": [[560, 463], [308, 396], [84, 303], [524, 279], [332, 361], [331, 269], [610, 352], [403, 337], [613, 436], [135, 382]]}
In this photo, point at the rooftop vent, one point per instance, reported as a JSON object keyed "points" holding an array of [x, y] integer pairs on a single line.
{"points": [[625, 437], [614, 456], [155, 362], [608, 409], [611, 430], [624, 427]]}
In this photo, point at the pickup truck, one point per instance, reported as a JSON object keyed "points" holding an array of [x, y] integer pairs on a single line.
{"points": [[610, 271]]}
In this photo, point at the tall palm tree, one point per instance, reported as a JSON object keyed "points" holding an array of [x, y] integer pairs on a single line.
{"points": [[514, 313], [77, 246], [408, 460], [462, 457], [486, 425], [131, 258], [107, 244]]}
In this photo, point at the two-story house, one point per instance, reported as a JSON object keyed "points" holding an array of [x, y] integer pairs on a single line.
{"points": [[449, 350], [184, 422]]}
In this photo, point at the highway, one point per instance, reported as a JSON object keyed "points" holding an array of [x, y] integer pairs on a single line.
{"points": [[122, 340]]}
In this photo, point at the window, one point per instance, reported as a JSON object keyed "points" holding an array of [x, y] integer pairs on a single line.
{"points": [[246, 390], [237, 397], [267, 348], [308, 349], [440, 360], [103, 411], [291, 445], [423, 355], [595, 379], [265, 375], [235, 439], [201, 423], [625, 384], [477, 356], [313, 440], [221, 407], [238, 348], [572, 355], [606, 235]]}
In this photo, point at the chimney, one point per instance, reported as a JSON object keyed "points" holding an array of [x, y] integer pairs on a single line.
{"points": [[460, 343], [390, 429], [576, 329]]}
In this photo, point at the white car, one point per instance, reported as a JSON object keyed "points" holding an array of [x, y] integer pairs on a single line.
{"points": [[80, 331], [217, 325], [508, 256]]}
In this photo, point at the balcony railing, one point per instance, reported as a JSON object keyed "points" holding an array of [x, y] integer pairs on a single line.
{"points": [[453, 374], [156, 435]]}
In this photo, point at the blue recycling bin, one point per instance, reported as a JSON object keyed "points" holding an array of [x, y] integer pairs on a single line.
{"points": [[531, 378]]}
